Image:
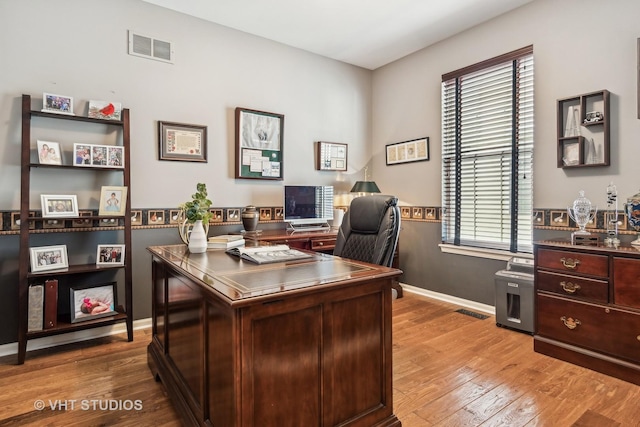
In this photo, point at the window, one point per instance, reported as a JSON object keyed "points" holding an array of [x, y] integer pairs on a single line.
{"points": [[487, 147]]}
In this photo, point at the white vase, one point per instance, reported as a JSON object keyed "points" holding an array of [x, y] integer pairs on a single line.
{"points": [[197, 238]]}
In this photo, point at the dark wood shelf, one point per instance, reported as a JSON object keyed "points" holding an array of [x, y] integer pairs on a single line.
{"points": [[65, 326], [90, 273], [584, 151]]}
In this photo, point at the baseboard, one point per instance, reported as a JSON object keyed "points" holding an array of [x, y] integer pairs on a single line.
{"points": [[489, 309], [119, 328], [71, 337]]}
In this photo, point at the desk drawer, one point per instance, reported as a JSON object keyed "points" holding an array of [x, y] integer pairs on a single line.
{"points": [[573, 286], [326, 244], [598, 328], [574, 262]]}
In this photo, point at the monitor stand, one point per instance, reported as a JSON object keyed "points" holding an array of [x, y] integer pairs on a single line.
{"points": [[308, 227]]}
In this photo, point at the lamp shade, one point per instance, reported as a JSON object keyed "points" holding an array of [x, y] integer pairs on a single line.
{"points": [[365, 187]]}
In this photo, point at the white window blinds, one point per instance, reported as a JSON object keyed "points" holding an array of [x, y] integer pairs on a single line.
{"points": [[487, 146]]}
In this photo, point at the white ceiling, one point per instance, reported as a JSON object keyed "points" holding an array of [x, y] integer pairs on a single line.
{"points": [[366, 33]]}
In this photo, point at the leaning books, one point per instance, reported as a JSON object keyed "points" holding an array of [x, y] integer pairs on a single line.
{"points": [[268, 254]]}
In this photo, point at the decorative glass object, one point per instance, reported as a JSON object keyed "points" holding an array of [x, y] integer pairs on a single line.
{"points": [[632, 209], [582, 212], [612, 221]]}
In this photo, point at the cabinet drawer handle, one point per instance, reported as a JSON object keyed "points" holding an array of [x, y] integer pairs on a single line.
{"points": [[570, 287], [320, 243], [570, 322], [570, 263]]}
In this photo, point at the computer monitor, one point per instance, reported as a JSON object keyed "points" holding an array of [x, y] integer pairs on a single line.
{"points": [[308, 206]]}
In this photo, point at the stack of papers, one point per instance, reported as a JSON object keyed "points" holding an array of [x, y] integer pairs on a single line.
{"points": [[225, 241], [268, 254]]}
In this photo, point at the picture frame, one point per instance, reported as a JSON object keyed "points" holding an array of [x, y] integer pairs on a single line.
{"points": [[113, 200], [331, 156], [182, 142], [49, 153], [259, 147], [115, 156], [46, 258], [82, 154], [415, 150], [59, 205], [105, 110], [58, 104], [88, 302], [110, 255], [571, 153]]}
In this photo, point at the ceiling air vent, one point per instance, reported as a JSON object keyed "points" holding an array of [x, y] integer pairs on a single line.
{"points": [[148, 47]]}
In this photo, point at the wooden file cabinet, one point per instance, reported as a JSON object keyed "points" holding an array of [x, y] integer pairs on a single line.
{"points": [[588, 307]]}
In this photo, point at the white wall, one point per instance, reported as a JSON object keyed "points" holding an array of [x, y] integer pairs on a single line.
{"points": [[579, 46], [79, 48]]}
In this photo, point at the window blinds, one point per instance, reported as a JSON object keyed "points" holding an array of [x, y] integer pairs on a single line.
{"points": [[487, 147]]}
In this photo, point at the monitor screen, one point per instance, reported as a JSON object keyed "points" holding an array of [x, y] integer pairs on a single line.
{"points": [[307, 204]]}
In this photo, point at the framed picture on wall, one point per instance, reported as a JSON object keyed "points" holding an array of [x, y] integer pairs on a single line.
{"points": [[331, 156], [182, 142], [415, 150], [259, 144]]}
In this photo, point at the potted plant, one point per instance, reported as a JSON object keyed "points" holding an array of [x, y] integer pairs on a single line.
{"points": [[194, 219]]}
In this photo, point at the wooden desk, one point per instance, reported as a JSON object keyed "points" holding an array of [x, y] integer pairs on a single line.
{"points": [[303, 343]]}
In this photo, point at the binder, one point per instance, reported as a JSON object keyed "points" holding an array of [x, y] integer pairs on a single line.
{"points": [[36, 304], [50, 303]]}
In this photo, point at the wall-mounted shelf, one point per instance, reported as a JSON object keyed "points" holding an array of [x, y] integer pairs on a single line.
{"points": [[584, 130]]}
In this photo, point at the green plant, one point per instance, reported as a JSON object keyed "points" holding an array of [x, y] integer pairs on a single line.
{"points": [[198, 208]]}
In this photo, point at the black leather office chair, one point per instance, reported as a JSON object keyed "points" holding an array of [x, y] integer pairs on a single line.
{"points": [[369, 230]]}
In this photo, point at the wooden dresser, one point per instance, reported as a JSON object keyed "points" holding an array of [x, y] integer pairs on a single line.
{"points": [[588, 306]]}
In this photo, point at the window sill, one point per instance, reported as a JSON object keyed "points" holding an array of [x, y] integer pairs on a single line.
{"points": [[481, 252]]}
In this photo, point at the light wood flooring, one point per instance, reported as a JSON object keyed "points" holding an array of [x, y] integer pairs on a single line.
{"points": [[450, 369]]}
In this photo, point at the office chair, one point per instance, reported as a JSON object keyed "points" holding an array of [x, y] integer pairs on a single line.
{"points": [[369, 230]]}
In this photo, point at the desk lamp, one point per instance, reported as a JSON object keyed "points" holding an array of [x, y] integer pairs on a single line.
{"points": [[365, 186]]}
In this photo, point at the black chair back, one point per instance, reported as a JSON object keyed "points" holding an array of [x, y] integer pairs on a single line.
{"points": [[369, 230]]}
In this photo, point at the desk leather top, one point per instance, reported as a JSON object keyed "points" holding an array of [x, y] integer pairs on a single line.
{"points": [[239, 280]]}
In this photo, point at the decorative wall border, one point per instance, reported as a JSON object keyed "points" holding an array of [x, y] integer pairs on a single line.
{"points": [[148, 218]]}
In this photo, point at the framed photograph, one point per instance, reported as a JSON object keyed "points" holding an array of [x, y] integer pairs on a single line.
{"points": [[82, 154], [415, 150], [110, 255], [105, 110], [99, 155], [331, 156], [45, 258], [183, 142], [49, 153], [113, 201], [91, 301], [59, 206], [59, 104], [115, 156], [259, 140]]}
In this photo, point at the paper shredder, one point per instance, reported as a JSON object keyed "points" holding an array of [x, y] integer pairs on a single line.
{"points": [[515, 295]]}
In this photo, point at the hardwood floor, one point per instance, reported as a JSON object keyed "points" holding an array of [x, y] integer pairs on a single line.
{"points": [[450, 369]]}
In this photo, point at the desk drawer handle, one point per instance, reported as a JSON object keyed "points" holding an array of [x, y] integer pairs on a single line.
{"points": [[570, 322], [570, 263], [570, 287], [320, 243]]}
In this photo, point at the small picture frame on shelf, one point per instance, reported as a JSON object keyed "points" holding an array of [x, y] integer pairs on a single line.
{"points": [[59, 104], [49, 153], [59, 206], [91, 302], [115, 156], [113, 201], [45, 258], [99, 156], [110, 255], [105, 110], [82, 154], [571, 153]]}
